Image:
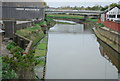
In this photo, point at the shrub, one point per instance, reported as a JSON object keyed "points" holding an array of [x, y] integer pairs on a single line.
{"points": [[7, 72], [11, 45]]}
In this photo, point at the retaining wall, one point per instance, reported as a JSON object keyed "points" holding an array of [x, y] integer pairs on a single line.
{"points": [[109, 35], [111, 24]]}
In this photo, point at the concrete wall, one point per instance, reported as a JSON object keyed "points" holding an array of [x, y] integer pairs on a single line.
{"points": [[109, 35], [23, 25], [9, 28], [20, 41]]}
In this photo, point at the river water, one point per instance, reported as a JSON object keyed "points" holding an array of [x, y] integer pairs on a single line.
{"points": [[74, 53]]}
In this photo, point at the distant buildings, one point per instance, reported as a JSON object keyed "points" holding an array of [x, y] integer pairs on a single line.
{"points": [[111, 18]]}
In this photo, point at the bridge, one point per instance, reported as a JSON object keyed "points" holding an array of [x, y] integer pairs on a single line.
{"points": [[86, 13]]}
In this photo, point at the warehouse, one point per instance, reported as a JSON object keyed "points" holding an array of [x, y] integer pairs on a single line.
{"points": [[15, 11]]}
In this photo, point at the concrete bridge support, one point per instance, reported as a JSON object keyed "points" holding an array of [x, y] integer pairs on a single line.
{"points": [[10, 28]]}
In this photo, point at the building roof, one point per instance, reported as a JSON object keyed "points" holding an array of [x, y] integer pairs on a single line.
{"points": [[110, 9]]}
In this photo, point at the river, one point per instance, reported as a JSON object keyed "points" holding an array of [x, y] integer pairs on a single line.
{"points": [[74, 53]]}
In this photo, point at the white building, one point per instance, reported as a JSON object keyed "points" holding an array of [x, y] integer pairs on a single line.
{"points": [[113, 14]]}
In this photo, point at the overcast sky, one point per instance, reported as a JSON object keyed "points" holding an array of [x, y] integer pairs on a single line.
{"points": [[59, 3], [82, 0], [56, 3]]}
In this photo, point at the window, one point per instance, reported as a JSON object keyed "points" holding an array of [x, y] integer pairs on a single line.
{"points": [[118, 16], [111, 16]]}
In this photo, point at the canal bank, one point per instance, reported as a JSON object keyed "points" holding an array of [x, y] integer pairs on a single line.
{"points": [[111, 38], [71, 50], [24, 62]]}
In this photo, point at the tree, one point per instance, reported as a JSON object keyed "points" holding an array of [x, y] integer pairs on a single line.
{"points": [[104, 8], [113, 5]]}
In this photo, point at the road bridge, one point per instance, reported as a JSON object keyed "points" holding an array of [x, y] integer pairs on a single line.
{"points": [[86, 13]]}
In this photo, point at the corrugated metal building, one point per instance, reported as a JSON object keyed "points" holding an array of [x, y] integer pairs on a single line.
{"points": [[20, 10]]}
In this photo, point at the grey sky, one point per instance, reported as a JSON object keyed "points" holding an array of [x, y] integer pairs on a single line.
{"points": [[82, 0], [59, 3]]}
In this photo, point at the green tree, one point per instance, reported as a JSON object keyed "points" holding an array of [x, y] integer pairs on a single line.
{"points": [[113, 5], [104, 8]]}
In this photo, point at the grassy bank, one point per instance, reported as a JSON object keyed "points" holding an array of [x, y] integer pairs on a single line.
{"points": [[40, 53], [33, 33], [65, 16], [92, 20], [107, 41], [21, 65]]}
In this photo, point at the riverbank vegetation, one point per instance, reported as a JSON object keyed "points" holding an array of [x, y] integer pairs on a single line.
{"points": [[40, 53], [17, 64], [65, 16], [33, 33], [92, 20], [21, 65]]}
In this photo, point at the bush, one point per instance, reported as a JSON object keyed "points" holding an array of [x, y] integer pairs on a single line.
{"points": [[43, 23], [16, 49], [7, 72], [13, 48], [11, 45]]}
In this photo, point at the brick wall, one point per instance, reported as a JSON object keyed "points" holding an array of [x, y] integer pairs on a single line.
{"points": [[111, 24]]}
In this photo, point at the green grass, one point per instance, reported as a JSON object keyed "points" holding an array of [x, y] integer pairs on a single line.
{"points": [[41, 51], [43, 23], [65, 16], [93, 20], [34, 33], [41, 48], [100, 25]]}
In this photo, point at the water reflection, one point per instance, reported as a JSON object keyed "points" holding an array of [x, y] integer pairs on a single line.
{"points": [[111, 55], [63, 28], [73, 53]]}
